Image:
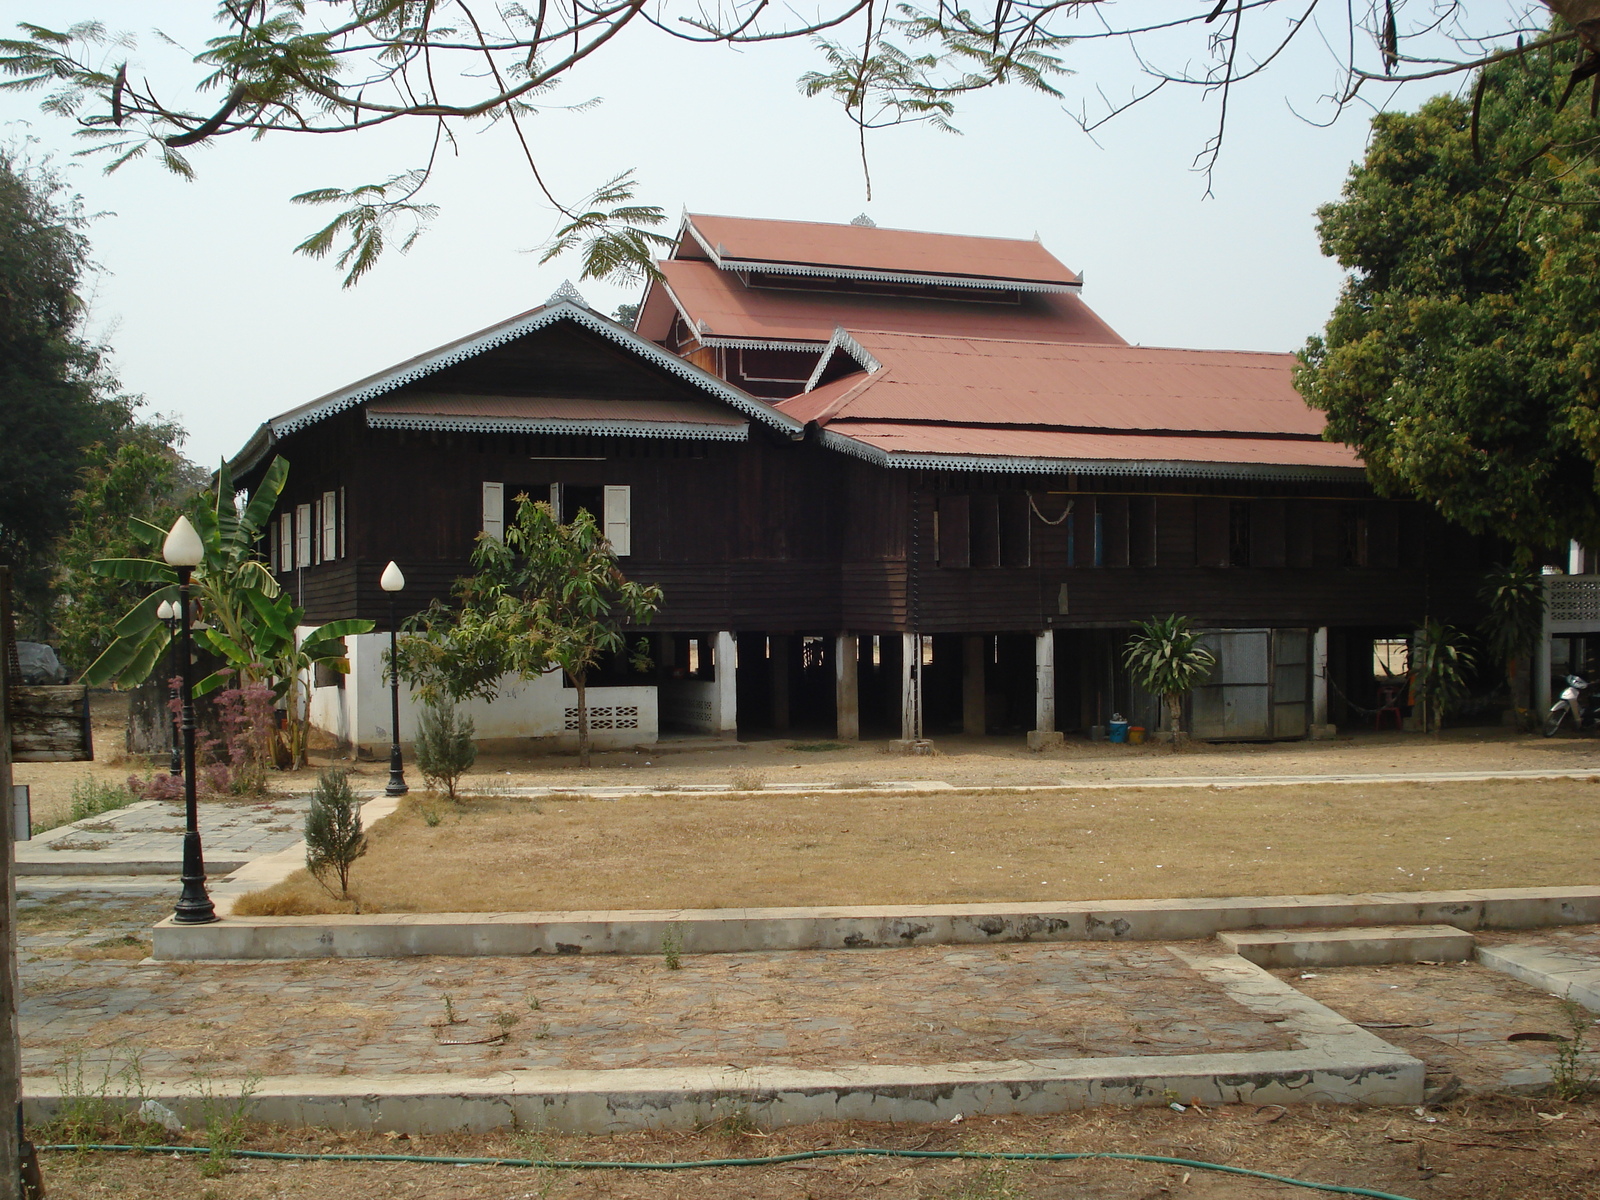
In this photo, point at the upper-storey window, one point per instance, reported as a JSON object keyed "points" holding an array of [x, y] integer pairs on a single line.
{"points": [[985, 529], [611, 505]]}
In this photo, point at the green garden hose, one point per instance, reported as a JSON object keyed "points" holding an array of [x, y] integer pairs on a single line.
{"points": [[773, 1160]]}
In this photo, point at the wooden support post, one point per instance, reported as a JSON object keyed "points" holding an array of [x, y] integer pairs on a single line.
{"points": [[974, 720], [780, 681], [1043, 734], [846, 688], [10, 1050], [725, 658]]}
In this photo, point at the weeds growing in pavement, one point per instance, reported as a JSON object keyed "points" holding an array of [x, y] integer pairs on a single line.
{"points": [[1574, 1073], [672, 947], [225, 1120], [101, 1103], [91, 797]]}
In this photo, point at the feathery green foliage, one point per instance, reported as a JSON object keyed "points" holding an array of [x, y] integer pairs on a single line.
{"points": [[334, 838], [1167, 660], [445, 749]]}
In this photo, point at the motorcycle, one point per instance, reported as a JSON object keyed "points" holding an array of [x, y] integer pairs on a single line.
{"points": [[1571, 702]]}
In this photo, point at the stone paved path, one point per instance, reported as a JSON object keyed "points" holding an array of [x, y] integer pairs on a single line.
{"points": [[149, 835], [918, 1005]]}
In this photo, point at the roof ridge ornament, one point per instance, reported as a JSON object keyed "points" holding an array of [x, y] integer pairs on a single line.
{"points": [[864, 221], [567, 294]]}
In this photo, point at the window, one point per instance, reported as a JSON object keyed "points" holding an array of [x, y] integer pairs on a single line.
{"points": [[286, 542], [302, 529], [494, 510], [983, 530], [330, 527], [1239, 533], [611, 505], [1390, 656]]}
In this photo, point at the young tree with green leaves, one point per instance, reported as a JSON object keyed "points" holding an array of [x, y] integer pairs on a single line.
{"points": [[549, 596], [1167, 660], [1463, 356]]}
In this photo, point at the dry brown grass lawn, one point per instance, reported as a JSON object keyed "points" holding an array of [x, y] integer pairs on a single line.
{"points": [[562, 853]]}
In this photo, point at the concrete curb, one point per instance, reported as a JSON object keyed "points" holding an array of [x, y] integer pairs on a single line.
{"points": [[1562, 973], [1339, 1063], [709, 931]]}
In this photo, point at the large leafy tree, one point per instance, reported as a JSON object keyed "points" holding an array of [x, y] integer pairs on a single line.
{"points": [[57, 399], [1463, 357], [548, 597], [280, 68]]}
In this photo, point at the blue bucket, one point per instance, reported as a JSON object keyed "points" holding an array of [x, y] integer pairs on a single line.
{"points": [[1117, 731]]}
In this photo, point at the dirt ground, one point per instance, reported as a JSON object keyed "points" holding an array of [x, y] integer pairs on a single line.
{"points": [[959, 760], [1487, 1148], [563, 852]]}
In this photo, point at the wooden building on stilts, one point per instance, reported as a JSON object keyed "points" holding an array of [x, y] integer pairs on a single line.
{"points": [[893, 485]]}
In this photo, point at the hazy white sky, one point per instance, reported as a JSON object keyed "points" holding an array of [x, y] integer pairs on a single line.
{"points": [[214, 319]]}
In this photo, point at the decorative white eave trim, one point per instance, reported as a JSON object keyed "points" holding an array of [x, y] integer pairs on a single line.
{"points": [[1005, 464], [448, 356], [842, 341], [565, 425], [723, 343], [723, 263]]}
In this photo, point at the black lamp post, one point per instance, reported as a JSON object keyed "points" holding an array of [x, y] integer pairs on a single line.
{"points": [[184, 550], [392, 581], [167, 612]]}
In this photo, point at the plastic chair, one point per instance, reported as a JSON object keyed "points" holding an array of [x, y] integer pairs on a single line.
{"points": [[1389, 702]]}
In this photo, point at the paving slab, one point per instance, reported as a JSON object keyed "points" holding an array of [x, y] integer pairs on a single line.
{"points": [[147, 838], [1350, 947], [1570, 974]]}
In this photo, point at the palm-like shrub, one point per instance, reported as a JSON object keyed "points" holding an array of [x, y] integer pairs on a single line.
{"points": [[445, 749], [1440, 661], [1167, 660], [1515, 620]]}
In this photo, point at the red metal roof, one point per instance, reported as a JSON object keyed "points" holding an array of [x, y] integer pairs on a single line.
{"points": [[868, 248], [729, 309], [1030, 399]]}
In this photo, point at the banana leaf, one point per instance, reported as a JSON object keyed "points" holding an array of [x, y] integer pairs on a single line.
{"points": [[331, 633], [142, 615], [115, 659], [138, 570], [266, 494]]}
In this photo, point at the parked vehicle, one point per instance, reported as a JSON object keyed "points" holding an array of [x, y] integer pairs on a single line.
{"points": [[1570, 704]]}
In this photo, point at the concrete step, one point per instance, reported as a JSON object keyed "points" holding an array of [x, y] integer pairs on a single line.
{"points": [[1360, 947]]}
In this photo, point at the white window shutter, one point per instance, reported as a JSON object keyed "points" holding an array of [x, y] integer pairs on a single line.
{"points": [[330, 526], [494, 510], [555, 500], [619, 519], [286, 542], [344, 547], [302, 531]]}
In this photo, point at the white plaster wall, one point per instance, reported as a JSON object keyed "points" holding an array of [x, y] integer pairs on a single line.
{"points": [[541, 708]]}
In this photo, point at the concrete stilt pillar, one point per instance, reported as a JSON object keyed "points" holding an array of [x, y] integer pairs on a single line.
{"points": [[1044, 733], [974, 720], [910, 687], [780, 682], [725, 658], [1319, 684], [846, 687]]}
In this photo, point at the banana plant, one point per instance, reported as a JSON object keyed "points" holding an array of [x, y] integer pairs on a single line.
{"points": [[250, 623]]}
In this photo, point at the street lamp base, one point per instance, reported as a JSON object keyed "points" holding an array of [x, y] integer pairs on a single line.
{"points": [[397, 775], [194, 909]]}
